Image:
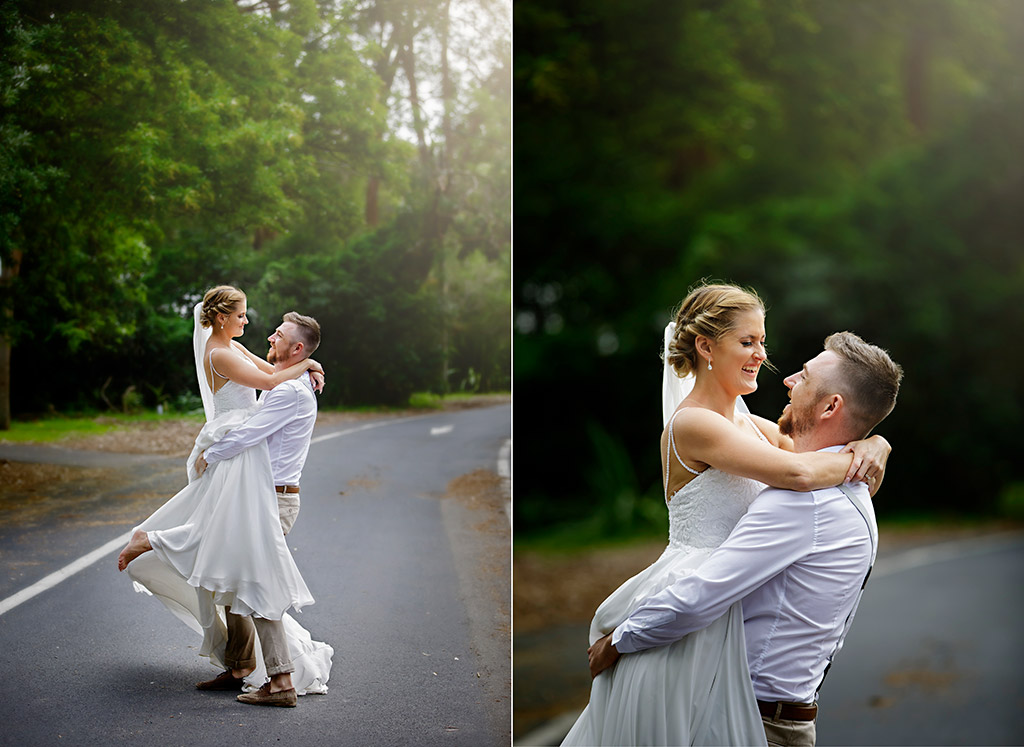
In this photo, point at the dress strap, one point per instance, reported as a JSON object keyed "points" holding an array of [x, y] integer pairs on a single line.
{"points": [[672, 446], [756, 429], [213, 371]]}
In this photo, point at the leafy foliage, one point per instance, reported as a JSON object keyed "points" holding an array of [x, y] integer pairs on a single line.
{"points": [[857, 163], [152, 150]]}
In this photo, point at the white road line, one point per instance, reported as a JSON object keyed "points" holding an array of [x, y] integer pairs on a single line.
{"points": [[553, 732], [952, 550], [505, 472], [64, 573], [85, 561], [441, 430], [358, 428]]}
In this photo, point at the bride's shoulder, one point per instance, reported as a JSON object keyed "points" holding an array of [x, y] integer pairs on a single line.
{"points": [[212, 346], [224, 359], [694, 421], [696, 425]]}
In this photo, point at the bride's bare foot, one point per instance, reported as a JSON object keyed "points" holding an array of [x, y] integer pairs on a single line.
{"points": [[138, 544]]}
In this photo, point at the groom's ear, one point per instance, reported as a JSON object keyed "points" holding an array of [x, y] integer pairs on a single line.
{"points": [[831, 406]]}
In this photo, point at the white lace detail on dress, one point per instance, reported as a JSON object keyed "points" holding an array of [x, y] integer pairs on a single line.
{"points": [[703, 512], [233, 396]]}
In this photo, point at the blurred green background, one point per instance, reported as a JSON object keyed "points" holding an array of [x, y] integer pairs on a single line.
{"points": [[859, 163], [349, 160]]}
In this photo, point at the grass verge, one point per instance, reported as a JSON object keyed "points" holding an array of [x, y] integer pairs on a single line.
{"points": [[53, 428]]}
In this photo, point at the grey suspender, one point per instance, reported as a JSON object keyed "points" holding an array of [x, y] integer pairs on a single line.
{"points": [[863, 511]]}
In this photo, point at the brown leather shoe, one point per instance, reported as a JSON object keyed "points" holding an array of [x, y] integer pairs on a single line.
{"points": [[223, 681], [263, 696]]}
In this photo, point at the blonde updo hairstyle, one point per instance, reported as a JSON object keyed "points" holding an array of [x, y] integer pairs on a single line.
{"points": [[709, 310], [223, 299]]}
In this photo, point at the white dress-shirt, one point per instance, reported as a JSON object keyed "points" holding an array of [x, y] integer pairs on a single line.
{"points": [[285, 418], [798, 561]]}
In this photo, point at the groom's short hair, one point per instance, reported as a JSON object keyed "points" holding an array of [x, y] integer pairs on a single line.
{"points": [[868, 379], [308, 330]]}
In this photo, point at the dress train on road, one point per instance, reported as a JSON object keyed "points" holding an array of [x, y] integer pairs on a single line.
{"points": [[218, 543]]}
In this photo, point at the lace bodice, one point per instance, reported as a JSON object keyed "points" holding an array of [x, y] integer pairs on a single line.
{"points": [[233, 396], [703, 512]]}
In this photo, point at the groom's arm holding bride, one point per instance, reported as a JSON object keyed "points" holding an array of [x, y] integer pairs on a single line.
{"points": [[278, 407], [776, 532], [287, 413]]}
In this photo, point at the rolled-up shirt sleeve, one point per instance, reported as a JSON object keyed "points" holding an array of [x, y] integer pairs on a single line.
{"points": [[277, 408], [777, 530]]}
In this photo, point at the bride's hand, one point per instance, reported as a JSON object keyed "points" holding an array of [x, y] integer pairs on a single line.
{"points": [[869, 458], [313, 366], [318, 381]]}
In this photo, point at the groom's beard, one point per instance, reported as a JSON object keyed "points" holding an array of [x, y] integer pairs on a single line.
{"points": [[795, 422], [271, 356]]}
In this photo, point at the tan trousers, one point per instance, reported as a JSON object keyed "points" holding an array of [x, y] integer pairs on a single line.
{"points": [[785, 733], [287, 510], [242, 630]]}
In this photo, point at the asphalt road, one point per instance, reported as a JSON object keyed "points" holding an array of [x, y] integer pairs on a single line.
{"points": [[935, 655], [403, 538]]}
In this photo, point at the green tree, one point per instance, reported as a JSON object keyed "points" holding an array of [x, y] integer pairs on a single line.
{"points": [[458, 189], [817, 136], [379, 323], [165, 141], [152, 150]]}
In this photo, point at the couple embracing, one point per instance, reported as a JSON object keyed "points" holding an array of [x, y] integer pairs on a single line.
{"points": [[727, 637], [215, 553]]}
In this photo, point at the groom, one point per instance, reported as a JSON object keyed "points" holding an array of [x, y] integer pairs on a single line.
{"points": [[797, 560], [285, 420]]}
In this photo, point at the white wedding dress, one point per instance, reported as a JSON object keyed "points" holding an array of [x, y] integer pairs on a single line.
{"points": [[218, 543], [696, 691]]}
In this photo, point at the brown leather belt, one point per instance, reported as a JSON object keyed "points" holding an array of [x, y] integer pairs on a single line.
{"points": [[286, 488], [788, 711]]}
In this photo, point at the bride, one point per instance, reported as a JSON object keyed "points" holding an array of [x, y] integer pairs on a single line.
{"points": [[219, 542], [716, 459]]}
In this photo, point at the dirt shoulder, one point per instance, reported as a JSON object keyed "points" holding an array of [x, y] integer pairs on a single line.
{"points": [[23, 482]]}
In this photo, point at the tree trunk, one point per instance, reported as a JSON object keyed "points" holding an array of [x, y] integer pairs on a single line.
{"points": [[443, 178], [8, 272], [915, 79], [5, 383], [386, 65], [409, 66], [371, 212]]}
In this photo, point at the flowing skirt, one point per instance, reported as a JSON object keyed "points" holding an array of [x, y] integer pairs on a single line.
{"points": [[218, 543], [696, 691]]}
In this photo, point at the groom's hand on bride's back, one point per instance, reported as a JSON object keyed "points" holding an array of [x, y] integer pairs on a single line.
{"points": [[602, 655]]}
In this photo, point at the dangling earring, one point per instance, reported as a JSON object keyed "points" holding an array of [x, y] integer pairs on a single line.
{"points": [[709, 364]]}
